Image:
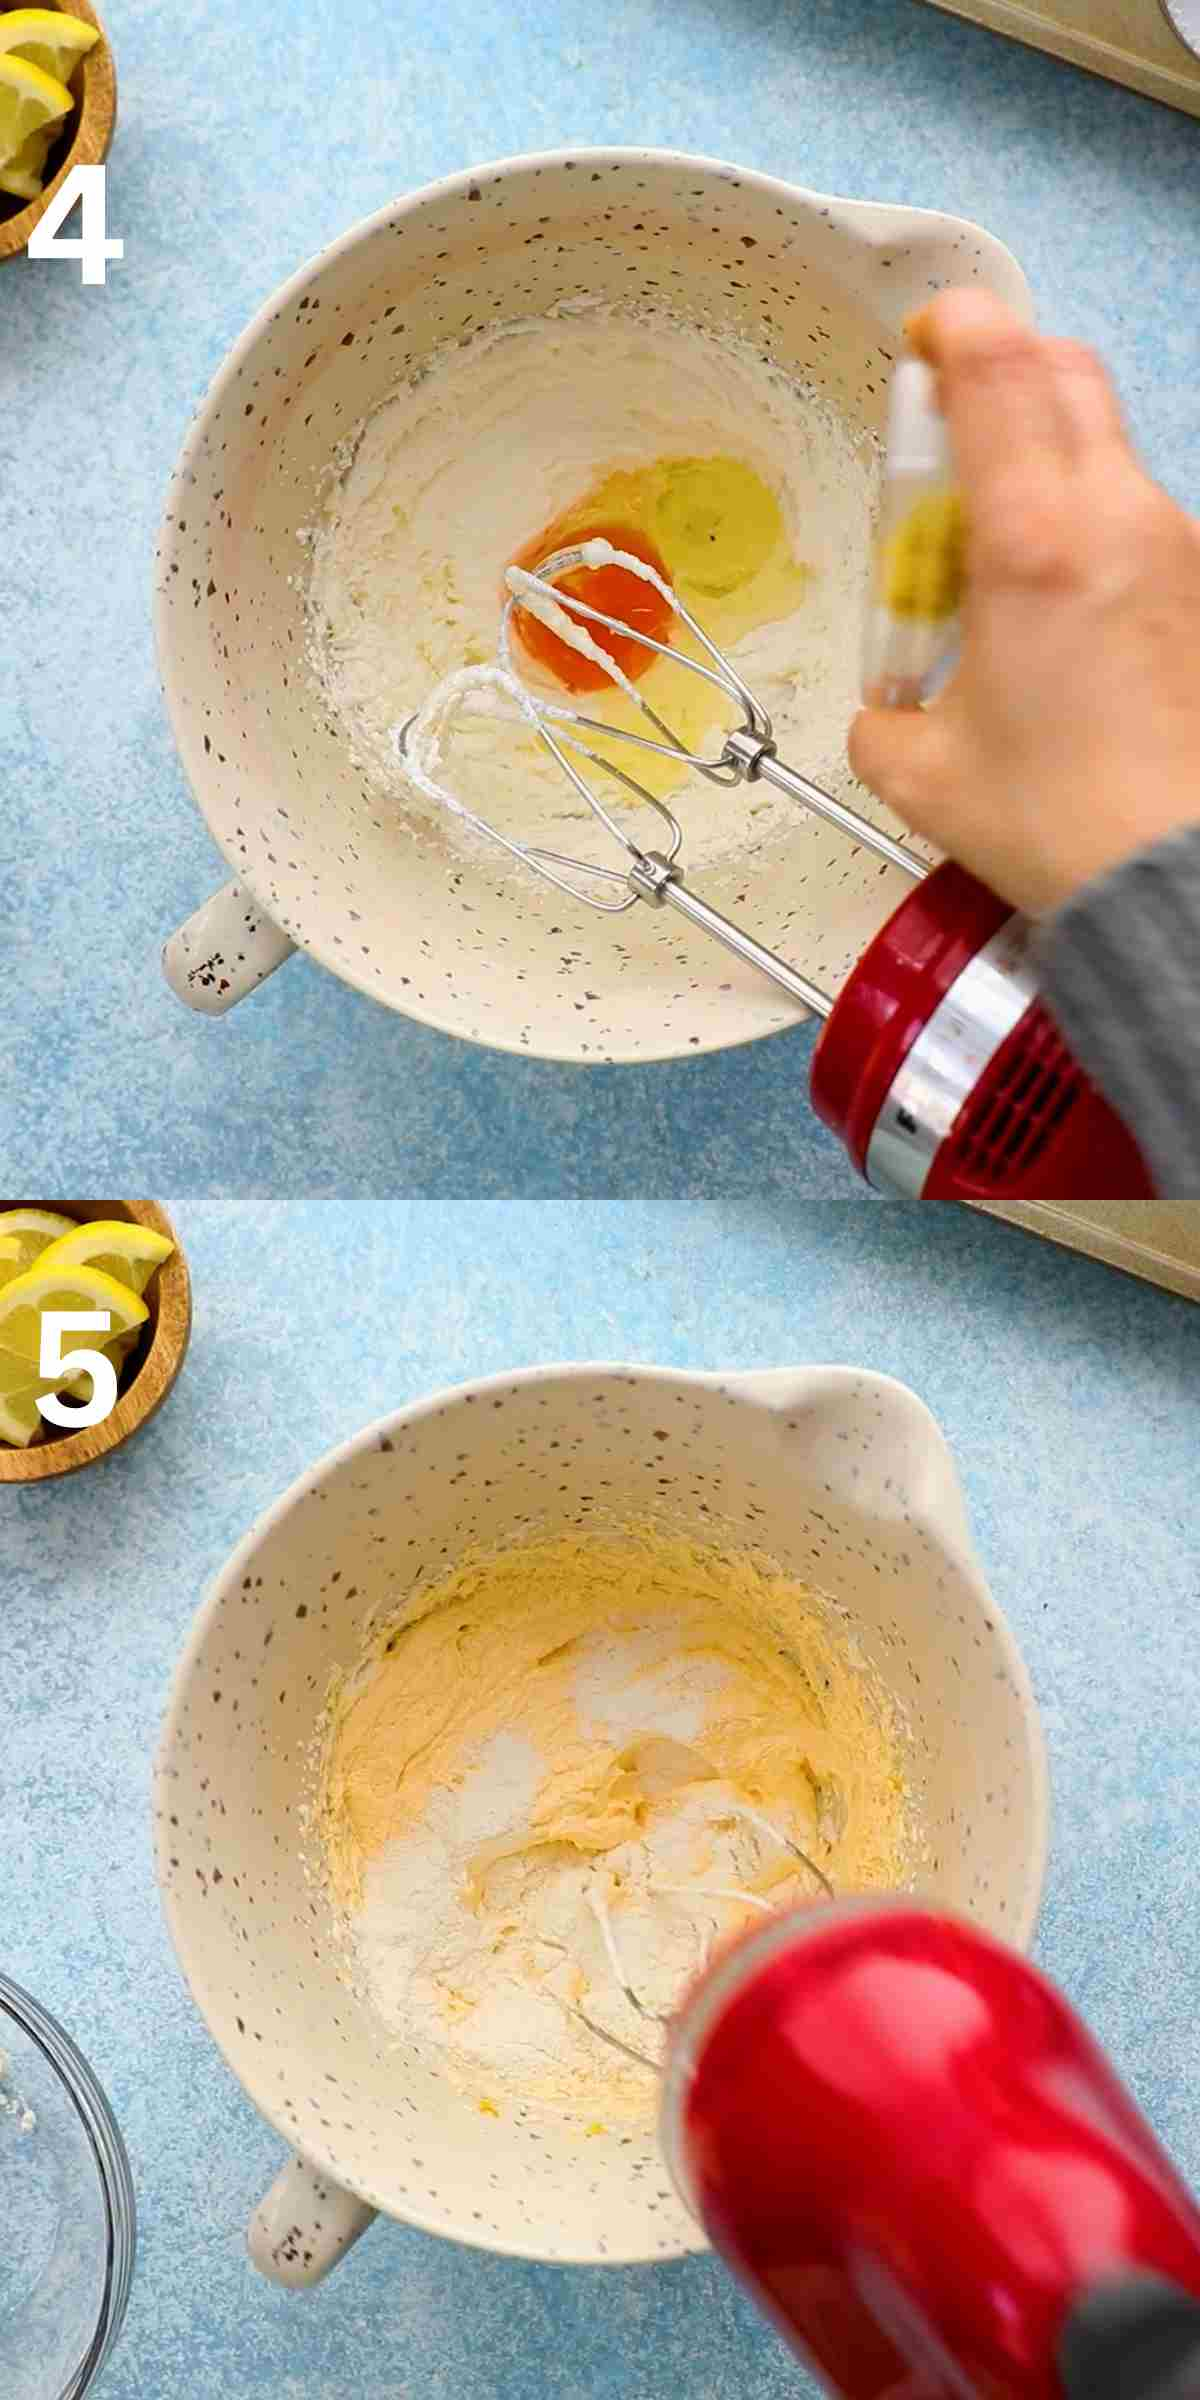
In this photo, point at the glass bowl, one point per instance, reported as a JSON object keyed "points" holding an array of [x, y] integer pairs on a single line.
{"points": [[66, 2206]]}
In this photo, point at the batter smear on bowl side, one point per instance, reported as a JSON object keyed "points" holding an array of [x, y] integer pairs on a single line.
{"points": [[585, 1717], [749, 494]]}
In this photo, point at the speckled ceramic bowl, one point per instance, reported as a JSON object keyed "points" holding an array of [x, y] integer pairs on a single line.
{"points": [[821, 286], [842, 1476]]}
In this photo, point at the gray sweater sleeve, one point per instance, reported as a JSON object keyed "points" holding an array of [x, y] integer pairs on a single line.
{"points": [[1120, 969]]}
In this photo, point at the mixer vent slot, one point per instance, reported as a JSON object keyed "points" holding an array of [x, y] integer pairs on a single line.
{"points": [[1030, 1086]]}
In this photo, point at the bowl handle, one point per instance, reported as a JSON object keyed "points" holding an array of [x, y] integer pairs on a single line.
{"points": [[226, 949], [303, 2227]]}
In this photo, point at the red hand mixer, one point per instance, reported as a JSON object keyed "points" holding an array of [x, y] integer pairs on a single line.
{"points": [[939, 1067], [908, 2146]]}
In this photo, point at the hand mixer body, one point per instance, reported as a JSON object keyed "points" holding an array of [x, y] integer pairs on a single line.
{"points": [[945, 1076], [914, 2153], [938, 1067]]}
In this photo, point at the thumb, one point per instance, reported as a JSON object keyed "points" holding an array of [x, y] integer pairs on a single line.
{"points": [[901, 756]]}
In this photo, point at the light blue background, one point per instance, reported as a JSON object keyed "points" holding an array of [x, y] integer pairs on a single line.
{"points": [[1069, 1395], [248, 137]]}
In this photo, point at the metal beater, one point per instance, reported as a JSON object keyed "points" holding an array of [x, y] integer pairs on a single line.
{"points": [[939, 1067], [690, 1766], [747, 755]]}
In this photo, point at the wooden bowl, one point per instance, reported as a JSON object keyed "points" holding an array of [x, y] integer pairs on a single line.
{"points": [[87, 138], [150, 1370]]}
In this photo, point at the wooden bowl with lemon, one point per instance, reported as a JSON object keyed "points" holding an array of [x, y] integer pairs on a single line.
{"points": [[120, 1256], [58, 108]]}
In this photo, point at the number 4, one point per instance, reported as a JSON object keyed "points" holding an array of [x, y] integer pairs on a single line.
{"points": [[92, 245]]}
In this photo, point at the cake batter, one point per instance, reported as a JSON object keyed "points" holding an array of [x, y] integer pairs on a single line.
{"points": [[593, 1716]]}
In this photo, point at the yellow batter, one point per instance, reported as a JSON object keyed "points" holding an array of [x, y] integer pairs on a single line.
{"points": [[654, 1687]]}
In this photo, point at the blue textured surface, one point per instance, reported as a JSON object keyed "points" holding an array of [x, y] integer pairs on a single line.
{"points": [[1069, 1395], [246, 140]]}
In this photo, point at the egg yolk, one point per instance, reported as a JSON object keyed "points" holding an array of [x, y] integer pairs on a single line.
{"points": [[614, 590]]}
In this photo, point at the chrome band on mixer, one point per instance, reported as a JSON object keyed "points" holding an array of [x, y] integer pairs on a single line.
{"points": [[950, 1054]]}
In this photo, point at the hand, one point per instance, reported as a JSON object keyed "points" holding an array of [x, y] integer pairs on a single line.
{"points": [[1070, 735]]}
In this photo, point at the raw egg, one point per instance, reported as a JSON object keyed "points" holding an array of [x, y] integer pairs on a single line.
{"points": [[613, 590]]}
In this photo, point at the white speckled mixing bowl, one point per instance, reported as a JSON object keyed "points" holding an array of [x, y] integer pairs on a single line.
{"points": [[841, 1476], [820, 286]]}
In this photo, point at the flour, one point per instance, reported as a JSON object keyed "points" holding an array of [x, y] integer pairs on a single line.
{"points": [[507, 1950], [643, 1682], [582, 1748]]}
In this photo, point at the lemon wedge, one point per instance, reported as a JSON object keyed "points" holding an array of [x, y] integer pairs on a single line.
{"points": [[29, 101], [52, 44], [101, 1264], [32, 1229], [24, 175], [130, 1253], [23, 1302], [20, 1416], [49, 40]]}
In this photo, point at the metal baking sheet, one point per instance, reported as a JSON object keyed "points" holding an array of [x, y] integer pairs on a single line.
{"points": [[1156, 1239], [1134, 42]]}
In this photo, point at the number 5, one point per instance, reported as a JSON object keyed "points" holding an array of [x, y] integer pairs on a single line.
{"points": [[53, 1360], [91, 245]]}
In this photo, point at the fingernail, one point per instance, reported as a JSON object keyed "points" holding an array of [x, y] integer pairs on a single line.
{"points": [[917, 331], [961, 308]]}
